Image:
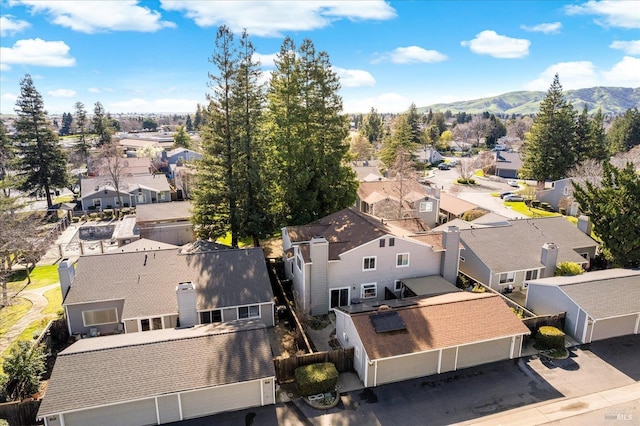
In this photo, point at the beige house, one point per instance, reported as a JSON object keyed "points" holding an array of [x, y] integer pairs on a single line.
{"points": [[416, 337]]}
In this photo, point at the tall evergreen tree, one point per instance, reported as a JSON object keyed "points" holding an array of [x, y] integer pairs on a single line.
{"points": [[400, 143], [7, 163], [197, 122], [549, 152], [372, 126], [181, 138], [624, 133], [43, 164], [596, 147], [67, 122], [415, 124], [583, 133], [101, 125], [82, 147], [189, 123], [613, 209]]}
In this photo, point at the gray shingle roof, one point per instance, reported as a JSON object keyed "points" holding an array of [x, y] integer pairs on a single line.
{"points": [[519, 246], [147, 280], [174, 211], [602, 294], [113, 369]]}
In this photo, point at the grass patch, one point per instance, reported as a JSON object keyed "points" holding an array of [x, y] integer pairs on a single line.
{"points": [[63, 199], [27, 334], [54, 307], [9, 315], [521, 207], [479, 173], [226, 240], [41, 276], [572, 219]]}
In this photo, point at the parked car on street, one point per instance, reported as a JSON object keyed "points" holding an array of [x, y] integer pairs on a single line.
{"points": [[513, 197], [513, 182], [443, 166], [504, 194]]}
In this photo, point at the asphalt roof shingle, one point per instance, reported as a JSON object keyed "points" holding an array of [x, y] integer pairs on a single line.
{"points": [[104, 370]]}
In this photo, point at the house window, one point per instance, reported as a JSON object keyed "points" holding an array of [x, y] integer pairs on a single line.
{"points": [[397, 285], [402, 259], [369, 263], [565, 191], [508, 277], [161, 195], [117, 201], [299, 262], [140, 198], [145, 325], [339, 297], [368, 291], [246, 312], [156, 323], [99, 317], [209, 317], [392, 242], [97, 203], [426, 206], [531, 275], [382, 242]]}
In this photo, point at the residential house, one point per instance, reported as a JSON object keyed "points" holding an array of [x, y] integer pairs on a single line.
{"points": [[367, 171], [167, 222], [508, 164], [351, 257], [427, 155], [417, 337], [162, 377], [180, 156], [504, 257], [404, 199], [453, 207], [182, 178], [151, 290], [100, 193], [598, 305], [560, 195]]}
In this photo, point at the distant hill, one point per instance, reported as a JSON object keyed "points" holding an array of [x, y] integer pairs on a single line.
{"points": [[612, 100]]}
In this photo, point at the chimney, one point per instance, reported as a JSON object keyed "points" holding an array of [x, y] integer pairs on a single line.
{"points": [[66, 273], [319, 283], [584, 224], [549, 259], [451, 256], [187, 313]]}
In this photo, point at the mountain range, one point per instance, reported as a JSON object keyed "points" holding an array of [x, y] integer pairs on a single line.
{"points": [[612, 100]]}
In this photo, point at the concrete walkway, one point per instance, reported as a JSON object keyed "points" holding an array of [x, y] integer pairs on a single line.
{"points": [[39, 302]]}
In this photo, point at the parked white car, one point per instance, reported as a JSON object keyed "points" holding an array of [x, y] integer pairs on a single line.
{"points": [[513, 182]]}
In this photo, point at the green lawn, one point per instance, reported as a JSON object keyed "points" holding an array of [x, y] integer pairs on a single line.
{"points": [[63, 199], [41, 276], [521, 207], [9, 315], [54, 307]]}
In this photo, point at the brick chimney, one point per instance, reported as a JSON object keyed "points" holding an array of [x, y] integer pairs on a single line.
{"points": [[187, 311], [549, 258]]}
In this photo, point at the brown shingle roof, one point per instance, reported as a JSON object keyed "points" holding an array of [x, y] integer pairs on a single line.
{"points": [[440, 322], [115, 369], [372, 192], [455, 205]]}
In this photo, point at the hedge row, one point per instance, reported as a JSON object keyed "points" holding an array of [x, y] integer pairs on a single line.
{"points": [[316, 378], [549, 338]]}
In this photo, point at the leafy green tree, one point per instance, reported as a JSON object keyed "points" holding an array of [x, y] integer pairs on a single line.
{"points": [[549, 150], [613, 209], [67, 122], [372, 126], [567, 269], [400, 143], [361, 149], [495, 130], [7, 162], [181, 138], [43, 164], [582, 134], [82, 147], [197, 122], [189, 123], [437, 119], [624, 133], [23, 369], [596, 146], [415, 124], [149, 124], [101, 125]]}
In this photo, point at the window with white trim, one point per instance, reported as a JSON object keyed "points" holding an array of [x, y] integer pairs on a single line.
{"points": [[97, 203], [99, 317], [426, 206], [247, 312], [369, 263], [402, 260], [508, 277], [368, 291], [161, 195], [209, 317], [299, 263], [397, 285], [531, 275], [566, 191], [140, 198]]}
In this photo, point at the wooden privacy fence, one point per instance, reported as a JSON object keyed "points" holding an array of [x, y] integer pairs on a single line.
{"points": [[20, 413], [286, 367], [536, 322]]}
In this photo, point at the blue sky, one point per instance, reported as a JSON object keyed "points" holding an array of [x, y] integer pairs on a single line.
{"points": [[152, 56]]}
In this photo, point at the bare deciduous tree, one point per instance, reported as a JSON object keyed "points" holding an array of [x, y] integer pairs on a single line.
{"points": [[466, 167], [112, 169]]}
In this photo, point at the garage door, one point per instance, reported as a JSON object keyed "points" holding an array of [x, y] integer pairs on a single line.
{"points": [[407, 367], [131, 413], [613, 327], [223, 398], [482, 353]]}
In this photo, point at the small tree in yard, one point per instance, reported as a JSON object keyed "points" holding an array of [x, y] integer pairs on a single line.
{"points": [[567, 269], [23, 369]]}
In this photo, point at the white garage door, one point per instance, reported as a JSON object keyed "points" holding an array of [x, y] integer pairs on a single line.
{"points": [[223, 398], [482, 353], [132, 413], [621, 326]]}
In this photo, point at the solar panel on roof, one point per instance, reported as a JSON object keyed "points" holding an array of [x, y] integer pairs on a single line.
{"points": [[388, 321]]}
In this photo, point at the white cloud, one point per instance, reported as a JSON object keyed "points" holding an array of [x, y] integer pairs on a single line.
{"points": [[490, 43], [11, 26], [272, 18], [37, 52], [625, 73], [413, 54], [8, 102], [630, 47], [547, 28], [385, 102], [266, 60], [140, 105], [94, 90], [623, 14], [97, 16], [4, 67], [62, 93], [354, 78], [581, 74]]}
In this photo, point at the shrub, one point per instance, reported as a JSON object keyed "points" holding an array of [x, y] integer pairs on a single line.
{"points": [[94, 216], [567, 269], [23, 368], [75, 219], [549, 338], [535, 203], [107, 214], [473, 214], [316, 378]]}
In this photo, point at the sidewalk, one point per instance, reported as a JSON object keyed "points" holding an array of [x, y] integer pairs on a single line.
{"points": [[564, 408], [52, 256]]}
